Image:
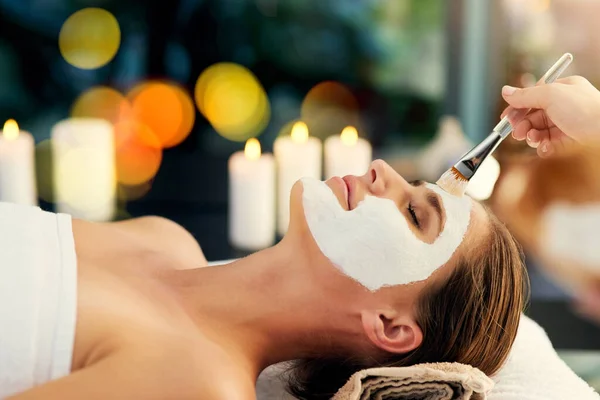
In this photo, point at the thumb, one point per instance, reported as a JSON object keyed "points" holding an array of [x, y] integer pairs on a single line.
{"points": [[532, 97]]}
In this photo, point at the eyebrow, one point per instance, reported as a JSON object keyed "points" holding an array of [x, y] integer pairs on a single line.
{"points": [[434, 201]]}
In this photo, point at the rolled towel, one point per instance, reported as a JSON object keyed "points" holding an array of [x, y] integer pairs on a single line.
{"points": [[439, 381]]}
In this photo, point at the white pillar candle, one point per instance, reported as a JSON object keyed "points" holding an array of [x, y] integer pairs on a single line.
{"points": [[297, 156], [347, 154], [251, 198], [83, 156], [17, 166]]}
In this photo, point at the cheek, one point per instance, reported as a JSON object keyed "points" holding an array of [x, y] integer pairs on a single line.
{"points": [[373, 244]]}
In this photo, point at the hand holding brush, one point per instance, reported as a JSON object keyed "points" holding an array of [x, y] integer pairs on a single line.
{"points": [[456, 179], [564, 112]]}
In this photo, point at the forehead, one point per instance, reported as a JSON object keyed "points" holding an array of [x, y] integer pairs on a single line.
{"points": [[478, 228], [478, 216]]}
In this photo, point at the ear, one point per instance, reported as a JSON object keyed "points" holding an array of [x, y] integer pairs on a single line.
{"points": [[392, 331]]}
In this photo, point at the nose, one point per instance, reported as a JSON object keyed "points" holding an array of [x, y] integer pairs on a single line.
{"points": [[383, 178]]}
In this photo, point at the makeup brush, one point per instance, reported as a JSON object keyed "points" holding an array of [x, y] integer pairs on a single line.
{"points": [[456, 179]]}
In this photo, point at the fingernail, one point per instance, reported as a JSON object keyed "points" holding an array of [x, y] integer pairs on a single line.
{"points": [[531, 142], [508, 90], [547, 148]]}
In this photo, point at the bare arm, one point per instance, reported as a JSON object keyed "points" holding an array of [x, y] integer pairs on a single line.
{"points": [[129, 376], [115, 377]]}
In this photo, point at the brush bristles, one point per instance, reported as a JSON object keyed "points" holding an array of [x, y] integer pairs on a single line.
{"points": [[453, 182]]}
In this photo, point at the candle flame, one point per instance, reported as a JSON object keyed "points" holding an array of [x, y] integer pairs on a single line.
{"points": [[252, 149], [300, 132], [349, 136], [11, 130]]}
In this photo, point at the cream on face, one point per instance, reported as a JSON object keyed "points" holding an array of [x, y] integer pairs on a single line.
{"points": [[373, 243]]}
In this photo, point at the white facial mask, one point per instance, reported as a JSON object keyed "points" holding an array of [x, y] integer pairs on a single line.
{"points": [[373, 243]]}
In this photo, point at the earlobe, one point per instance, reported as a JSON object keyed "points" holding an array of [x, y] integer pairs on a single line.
{"points": [[392, 332]]}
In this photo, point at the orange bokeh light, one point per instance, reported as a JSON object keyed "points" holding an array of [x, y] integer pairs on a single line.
{"points": [[329, 107], [133, 192], [165, 109], [138, 152], [101, 102]]}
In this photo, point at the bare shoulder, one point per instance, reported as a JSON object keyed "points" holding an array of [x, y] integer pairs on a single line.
{"points": [[203, 372], [160, 367], [226, 387], [147, 240], [164, 237], [218, 374]]}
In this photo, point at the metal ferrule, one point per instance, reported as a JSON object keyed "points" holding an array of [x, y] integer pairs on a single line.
{"points": [[470, 162], [504, 127]]}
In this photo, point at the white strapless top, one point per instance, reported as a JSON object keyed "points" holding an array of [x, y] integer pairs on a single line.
{"points": [[38, 297]]}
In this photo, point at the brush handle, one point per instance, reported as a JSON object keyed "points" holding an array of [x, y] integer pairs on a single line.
{"points": [[504, 127]]}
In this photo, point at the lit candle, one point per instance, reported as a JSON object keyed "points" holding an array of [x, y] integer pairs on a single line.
{"points": [[17, 165], [83, 154], [297, 156], [251, 198], [347, 154]]}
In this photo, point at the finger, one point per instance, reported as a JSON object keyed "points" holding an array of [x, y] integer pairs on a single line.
{"points": [[572, 80], [535, 138], [545, 149], [521, 129], [534, 120], [561, 143], [533, 97], [504, 112], [539, 120], [556, 142]]}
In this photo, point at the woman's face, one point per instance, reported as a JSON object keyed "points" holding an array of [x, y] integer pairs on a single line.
{"points": [[383, 231]]}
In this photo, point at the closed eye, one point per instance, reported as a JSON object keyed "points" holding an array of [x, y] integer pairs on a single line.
{"points": [[413, 214]]}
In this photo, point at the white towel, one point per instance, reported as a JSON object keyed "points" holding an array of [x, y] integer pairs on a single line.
{"points": [[534, 371], [436, 381], [38, 290]]}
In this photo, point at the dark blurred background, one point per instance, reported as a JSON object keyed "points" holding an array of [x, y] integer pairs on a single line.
{"points": [[406, 64]]}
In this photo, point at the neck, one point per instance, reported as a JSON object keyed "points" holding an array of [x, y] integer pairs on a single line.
{"points": [[275, 305]]}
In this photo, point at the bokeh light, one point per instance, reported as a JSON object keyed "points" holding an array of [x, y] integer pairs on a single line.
{"points": [[233, 101], [349, 136], [138, 152], [74, 186], [101, 102], [121, 214], [165, 109], [89, 38], [252, 149], [44, 170], [299, 132], [540, 6], [291, 126], [133, 192], [328, 108], [10, 131]]}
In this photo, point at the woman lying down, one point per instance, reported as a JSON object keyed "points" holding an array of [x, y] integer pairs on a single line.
{"points": [[374, 271]]}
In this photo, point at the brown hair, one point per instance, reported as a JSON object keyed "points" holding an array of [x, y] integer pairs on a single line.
{"points": [[472, 318]]}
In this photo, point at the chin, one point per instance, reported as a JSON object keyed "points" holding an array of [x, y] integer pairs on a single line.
{"points": [[297, 219]]}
